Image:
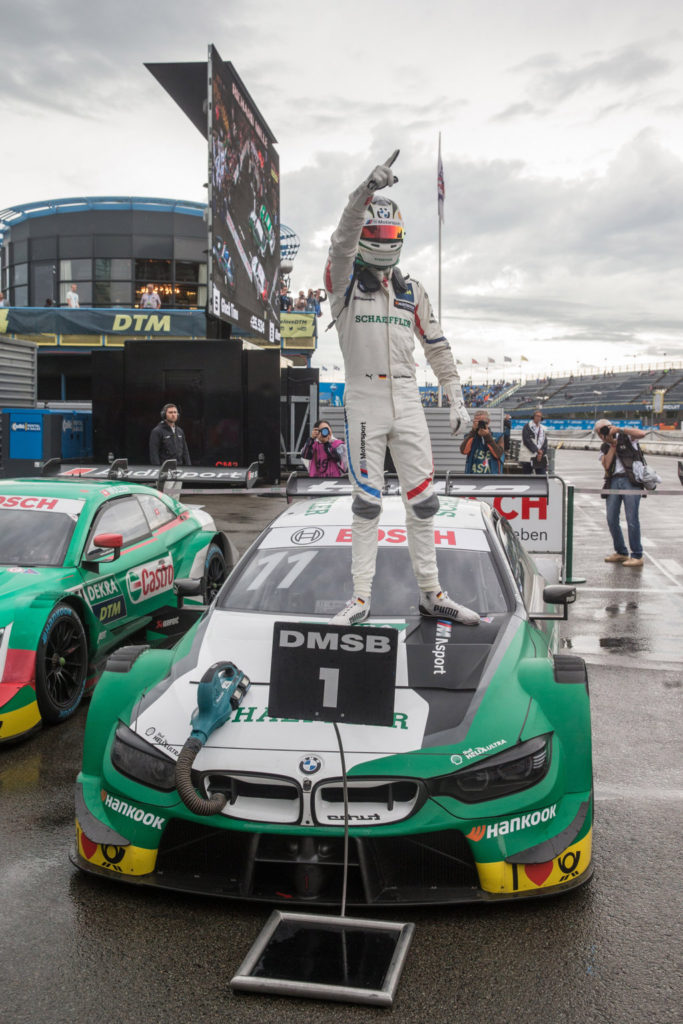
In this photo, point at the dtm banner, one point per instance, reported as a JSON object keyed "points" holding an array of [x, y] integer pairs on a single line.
{"points": [[297, 325], [174, 323]]}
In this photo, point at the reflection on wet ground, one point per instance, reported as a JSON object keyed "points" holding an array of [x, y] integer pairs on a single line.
{"points": [[625, 644]]}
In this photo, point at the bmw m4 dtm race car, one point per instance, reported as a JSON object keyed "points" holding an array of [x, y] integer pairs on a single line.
{"points": [[479, 788], [84, 566]]}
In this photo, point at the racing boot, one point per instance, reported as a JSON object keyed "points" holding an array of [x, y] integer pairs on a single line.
{"points": [[439, 604], [355, 610]]}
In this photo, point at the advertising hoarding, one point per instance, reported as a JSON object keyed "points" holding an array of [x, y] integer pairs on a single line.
{"points": [[244, 199]]}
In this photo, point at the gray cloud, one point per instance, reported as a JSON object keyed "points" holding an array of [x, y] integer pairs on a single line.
{"points": [[627, 68]]}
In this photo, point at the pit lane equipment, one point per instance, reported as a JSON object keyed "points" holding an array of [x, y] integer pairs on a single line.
{"points": [[220, 691], [352, 960]]}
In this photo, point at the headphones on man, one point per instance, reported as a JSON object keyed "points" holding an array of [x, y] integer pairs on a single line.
{"points": [[169, 405]]}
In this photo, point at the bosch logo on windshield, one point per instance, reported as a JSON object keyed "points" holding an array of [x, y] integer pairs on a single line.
{"points": [[308, 535]]}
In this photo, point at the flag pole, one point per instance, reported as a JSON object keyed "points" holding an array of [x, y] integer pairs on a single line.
{"points": [[440, 214], [439, 204]]}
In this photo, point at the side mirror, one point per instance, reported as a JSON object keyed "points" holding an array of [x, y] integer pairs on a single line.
{"points": [[110, 540], [188, 588], [557, 593]]}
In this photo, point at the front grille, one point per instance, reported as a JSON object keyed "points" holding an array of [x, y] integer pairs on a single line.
{"points": [[371, 801], [258, 798], [436, 867]]}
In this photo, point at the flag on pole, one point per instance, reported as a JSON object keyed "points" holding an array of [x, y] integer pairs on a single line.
{"points": [[524, 359], [325, 369], [491, 360], [440, 184], [337, 367], [475, 362], [507, 359]]}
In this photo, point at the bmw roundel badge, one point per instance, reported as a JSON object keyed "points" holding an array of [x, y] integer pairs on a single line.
{"points": [[310, 765]]}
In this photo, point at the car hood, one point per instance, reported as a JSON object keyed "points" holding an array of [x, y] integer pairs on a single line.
{"points": [[427, 712], [15, 580]]}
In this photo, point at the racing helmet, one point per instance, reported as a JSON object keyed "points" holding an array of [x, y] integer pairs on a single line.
{"points": [[381, 238]]}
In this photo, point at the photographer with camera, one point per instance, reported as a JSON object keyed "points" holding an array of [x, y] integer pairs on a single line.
{"points": [[535, 440], [327, 454], [485, 453], [619, 453]]}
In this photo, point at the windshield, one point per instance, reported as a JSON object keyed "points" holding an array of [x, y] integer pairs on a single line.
{"points": [[30, 537], [317, 581]]}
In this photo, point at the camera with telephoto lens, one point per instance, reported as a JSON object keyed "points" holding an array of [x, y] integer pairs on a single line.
{"points": [[325, 432], [604, 431], [482, 425]]}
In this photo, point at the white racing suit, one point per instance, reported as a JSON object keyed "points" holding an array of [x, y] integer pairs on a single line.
{"points": [[377, 332]]}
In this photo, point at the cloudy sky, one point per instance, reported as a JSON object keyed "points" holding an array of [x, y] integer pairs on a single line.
{"points": [[561, 141]]}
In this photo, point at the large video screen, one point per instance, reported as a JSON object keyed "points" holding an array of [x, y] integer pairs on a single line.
{"points": [[244, 185]]}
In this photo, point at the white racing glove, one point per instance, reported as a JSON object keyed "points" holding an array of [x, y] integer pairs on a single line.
{"points": [[382, 176], [460, 419]]}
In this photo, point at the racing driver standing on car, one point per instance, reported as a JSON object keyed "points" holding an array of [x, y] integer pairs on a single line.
{"points": [[378, 312]]}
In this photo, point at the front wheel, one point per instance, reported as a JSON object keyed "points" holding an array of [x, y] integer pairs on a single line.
{"points": [[215, 573], [61, 664]]}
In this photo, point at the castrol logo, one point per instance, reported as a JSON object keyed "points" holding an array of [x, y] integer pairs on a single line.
{"points": [[150, 579]]}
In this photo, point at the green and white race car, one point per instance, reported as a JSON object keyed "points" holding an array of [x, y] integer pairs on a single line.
{"points": [[85, 566], [479, 788]]}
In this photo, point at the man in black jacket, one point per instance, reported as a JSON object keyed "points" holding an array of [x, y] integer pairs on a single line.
{"points": [[167, 440], [535, 440]]}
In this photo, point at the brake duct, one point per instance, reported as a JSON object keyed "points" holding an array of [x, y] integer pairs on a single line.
{"points": [[219, 692]]}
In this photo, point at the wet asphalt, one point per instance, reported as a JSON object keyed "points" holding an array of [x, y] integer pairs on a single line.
{"points": [[76, 949]]}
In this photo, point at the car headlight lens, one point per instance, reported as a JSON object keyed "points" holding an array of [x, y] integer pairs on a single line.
{"points": [[517, 769], [138, 760]]}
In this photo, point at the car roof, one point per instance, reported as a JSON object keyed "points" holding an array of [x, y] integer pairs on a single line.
{"points": [[92, 492], [462, 513]]}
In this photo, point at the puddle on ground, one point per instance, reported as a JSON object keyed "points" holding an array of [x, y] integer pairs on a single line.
{"points": [[625, 644]]}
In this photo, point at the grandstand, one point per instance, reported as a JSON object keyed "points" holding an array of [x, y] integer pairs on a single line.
{"points": [[617, 395]]}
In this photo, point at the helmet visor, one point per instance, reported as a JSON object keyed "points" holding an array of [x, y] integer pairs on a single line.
{"points": [[382, 232]]}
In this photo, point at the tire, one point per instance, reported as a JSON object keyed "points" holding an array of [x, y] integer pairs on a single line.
{"points": [[61, 664], [215, 573]]}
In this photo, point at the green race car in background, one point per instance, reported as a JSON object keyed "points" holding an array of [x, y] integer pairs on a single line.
{"points": [[85, 566], [481, 789]]}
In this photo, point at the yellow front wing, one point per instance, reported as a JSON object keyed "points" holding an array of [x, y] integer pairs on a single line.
{"points": [[500, 878]]}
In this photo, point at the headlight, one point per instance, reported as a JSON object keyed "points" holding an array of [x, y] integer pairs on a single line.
{"points": [[517, 769], [138, 760]]}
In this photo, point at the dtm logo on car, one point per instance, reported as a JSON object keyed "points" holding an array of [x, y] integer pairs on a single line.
{"points": [[149, 580], [518, 824], [133, 812], [335, 642]]}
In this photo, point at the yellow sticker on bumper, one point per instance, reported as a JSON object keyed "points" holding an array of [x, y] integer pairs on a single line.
{"points": [[15, 723], [124, 860], [499, 877]]}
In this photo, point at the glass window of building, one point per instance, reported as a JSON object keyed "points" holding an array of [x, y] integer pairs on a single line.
{"points": [[152, 270], [113, 293], [19, 273], [84, 292], [186, 271], [75, 270], [113, 270]]}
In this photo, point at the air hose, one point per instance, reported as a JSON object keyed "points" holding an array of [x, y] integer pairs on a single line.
{"points": [[220, 690]]}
